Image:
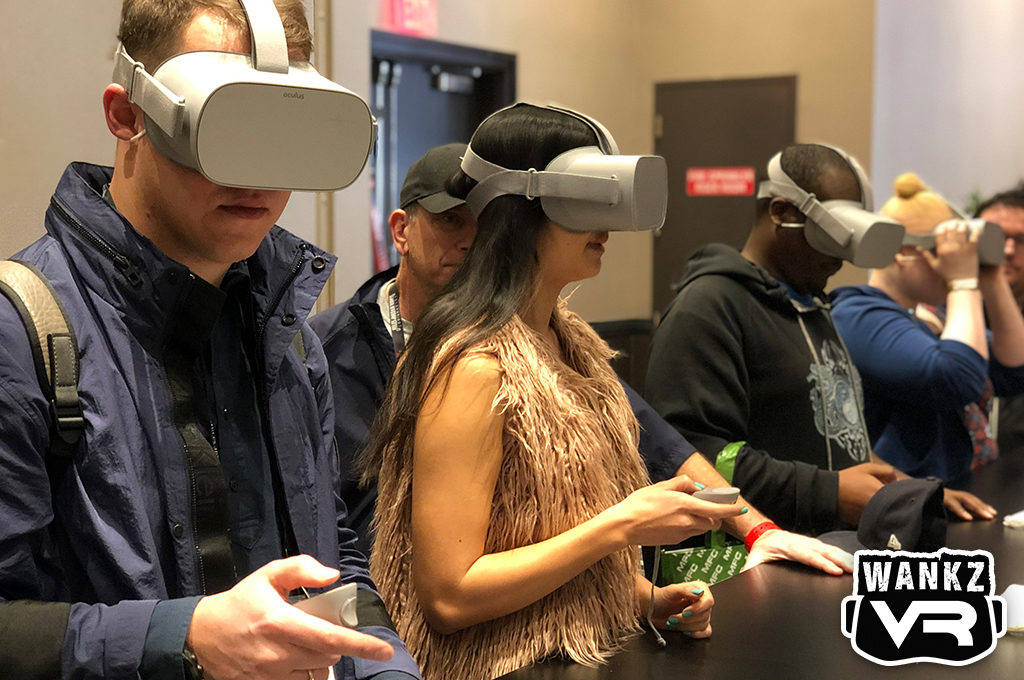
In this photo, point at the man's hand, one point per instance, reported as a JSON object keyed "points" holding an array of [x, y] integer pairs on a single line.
{"points": [[784, 545], [252, 632], [963, 503], [858, 484]]}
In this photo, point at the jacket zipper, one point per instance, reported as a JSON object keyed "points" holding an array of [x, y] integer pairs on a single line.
{"points": [[297, 263], [122, 263], [264, 397], [195, 509]]}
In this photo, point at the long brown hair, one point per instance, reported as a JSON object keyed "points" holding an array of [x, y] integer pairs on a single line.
{"points": [[497, 279]]}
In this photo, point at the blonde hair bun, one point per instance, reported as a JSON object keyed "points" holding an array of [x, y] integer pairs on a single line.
{"points": [[908, 184], [915, 206]]}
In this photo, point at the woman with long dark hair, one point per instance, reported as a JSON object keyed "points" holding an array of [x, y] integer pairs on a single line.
{"points": [[512, 497]]}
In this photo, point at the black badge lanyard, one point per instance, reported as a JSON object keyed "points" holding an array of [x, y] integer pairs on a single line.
{"points": [[398, 332]]}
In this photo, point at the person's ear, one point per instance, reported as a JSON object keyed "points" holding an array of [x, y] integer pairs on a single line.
{"points": [[124, 120], [779, 210], [398, 223]]}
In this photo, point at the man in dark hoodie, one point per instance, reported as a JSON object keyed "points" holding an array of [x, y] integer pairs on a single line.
{"points": [[748, 366]]}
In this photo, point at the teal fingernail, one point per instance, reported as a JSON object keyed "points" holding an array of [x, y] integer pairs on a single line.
{"points": [[687, 613], [744, 511], [672, 621], [687, 633], [699, 485], [697, 591]]}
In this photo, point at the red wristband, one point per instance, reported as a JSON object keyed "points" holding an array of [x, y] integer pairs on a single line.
{"points": [[756, 533]]}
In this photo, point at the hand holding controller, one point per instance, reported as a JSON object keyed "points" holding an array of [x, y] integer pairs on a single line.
{"points": [[723, 494], [337, 605]]}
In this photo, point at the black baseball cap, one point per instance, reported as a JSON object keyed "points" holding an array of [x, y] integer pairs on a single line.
{"points": [[903, 515], [425, 181]]}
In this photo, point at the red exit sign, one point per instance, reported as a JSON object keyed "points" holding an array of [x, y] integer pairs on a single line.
{"points": [[736, 181], [413, 17]]}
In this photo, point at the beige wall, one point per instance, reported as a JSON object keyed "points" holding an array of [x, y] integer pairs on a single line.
{"points": [[57, 58], [601, 56], [948, 96]]}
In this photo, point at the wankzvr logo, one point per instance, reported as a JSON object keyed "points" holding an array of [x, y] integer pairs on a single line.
{"points": [[912, 607]]}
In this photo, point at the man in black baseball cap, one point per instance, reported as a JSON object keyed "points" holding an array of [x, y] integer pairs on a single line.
{"points": [[425, 181], [431, 230]]}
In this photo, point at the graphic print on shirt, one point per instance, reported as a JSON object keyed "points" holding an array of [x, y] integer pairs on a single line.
{"points": [[840, 386]]}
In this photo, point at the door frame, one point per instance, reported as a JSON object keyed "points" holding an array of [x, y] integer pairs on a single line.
{"points": [[385, 45]]}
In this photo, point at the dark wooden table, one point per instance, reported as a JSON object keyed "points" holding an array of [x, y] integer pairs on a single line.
{"points": [[783, 620]]}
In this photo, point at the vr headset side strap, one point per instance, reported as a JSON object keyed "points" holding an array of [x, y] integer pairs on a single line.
{"points": [[54, 350], [164, 107], [809, 205]]}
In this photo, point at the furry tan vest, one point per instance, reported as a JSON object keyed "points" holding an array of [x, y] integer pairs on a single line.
{"points": [[569, 452]]}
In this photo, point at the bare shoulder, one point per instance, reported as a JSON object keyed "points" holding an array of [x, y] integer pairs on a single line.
{"points": [[469, 385], [477, 368]]}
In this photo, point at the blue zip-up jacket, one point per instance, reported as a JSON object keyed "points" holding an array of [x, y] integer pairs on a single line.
{"points": [[113, 532], [361, 360], [916, 384]]}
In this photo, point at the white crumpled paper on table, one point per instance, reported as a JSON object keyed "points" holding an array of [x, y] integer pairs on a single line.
{"points": [[1016, 520], [1014, 596]]}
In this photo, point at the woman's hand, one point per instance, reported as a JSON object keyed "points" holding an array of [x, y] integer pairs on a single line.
{"points": [[956, 252], [665, 513], [685, 607], [784, 545]]}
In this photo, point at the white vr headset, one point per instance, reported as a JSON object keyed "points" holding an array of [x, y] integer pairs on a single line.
{"points": [[589, 188], [252, 121], [843, 229], [991, 239]]}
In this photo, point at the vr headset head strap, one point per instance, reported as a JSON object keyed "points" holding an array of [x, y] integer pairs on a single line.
{"points": [[269, 45], [494, 180], [604, 138], [781, 185], [163, 107]]}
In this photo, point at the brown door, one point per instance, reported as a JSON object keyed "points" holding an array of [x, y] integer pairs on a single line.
{"points": [[716, 137]]}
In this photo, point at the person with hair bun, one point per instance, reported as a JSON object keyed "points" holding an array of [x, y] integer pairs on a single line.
{"points": [[512, 497], [917, 334]]}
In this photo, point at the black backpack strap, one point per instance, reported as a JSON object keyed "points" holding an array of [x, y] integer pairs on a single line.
{"points": [[54, 349], [32, 636]]}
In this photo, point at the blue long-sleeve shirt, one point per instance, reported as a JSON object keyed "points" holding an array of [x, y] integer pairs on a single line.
{"points": [[916, 384]]}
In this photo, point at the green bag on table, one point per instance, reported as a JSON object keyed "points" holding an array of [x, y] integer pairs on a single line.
{"points": [[722, 556]]}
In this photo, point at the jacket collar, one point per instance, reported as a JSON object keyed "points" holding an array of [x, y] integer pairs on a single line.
{"points": [[147, 288], [369, 291]]}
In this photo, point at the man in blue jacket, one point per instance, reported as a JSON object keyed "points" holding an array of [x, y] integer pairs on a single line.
{"points": [[202, 490], [432, 230]]}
